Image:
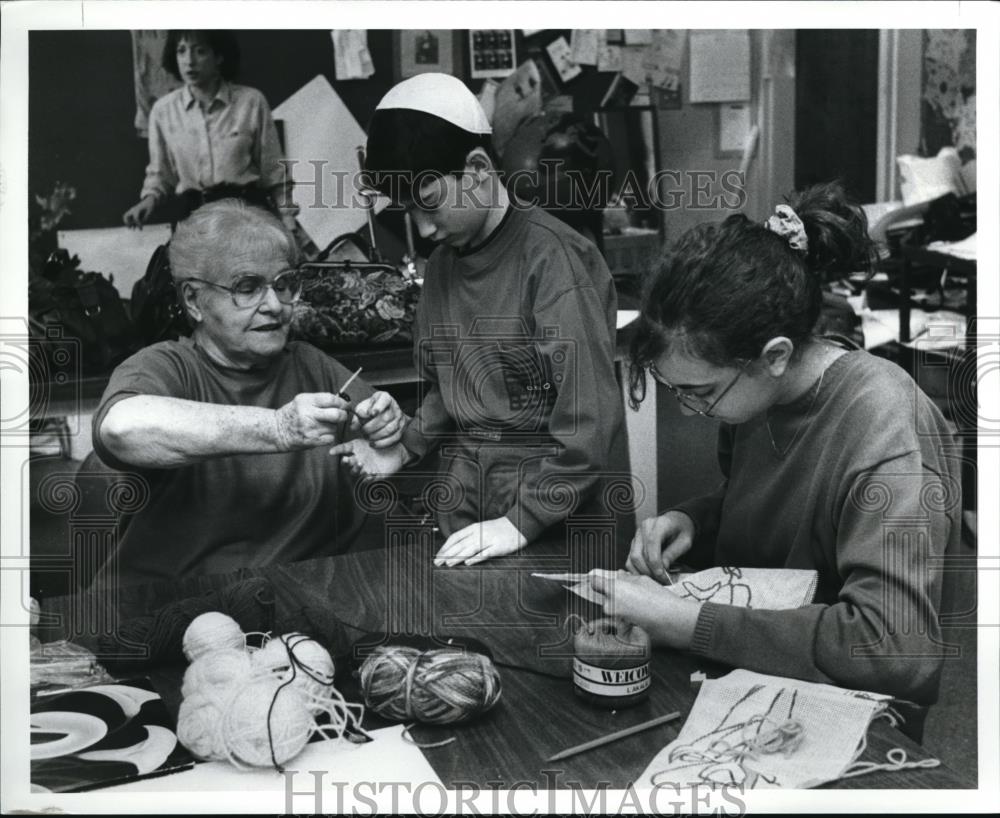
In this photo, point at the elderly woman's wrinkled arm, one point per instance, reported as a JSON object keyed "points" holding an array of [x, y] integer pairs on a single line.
{"points": [[153, 431]]}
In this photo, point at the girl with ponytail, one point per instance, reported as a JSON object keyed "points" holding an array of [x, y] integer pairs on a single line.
{"points": [[833, 460]]}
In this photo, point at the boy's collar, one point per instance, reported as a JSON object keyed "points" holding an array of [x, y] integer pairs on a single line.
{"points": [[475, 248]]}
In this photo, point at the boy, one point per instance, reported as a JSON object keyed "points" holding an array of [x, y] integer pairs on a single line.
{"points": [[515, 337]]}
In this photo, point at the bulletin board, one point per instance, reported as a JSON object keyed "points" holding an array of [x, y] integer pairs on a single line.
{"points": [[81, 123]]}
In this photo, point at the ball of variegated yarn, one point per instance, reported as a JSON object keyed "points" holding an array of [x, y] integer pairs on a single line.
{"points": [[433, 686]]}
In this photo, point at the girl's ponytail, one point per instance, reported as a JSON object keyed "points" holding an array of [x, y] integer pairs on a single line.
{"points": [[837, 231]]}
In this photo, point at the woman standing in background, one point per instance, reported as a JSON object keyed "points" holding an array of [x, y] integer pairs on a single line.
{"points": [[211, 138]]}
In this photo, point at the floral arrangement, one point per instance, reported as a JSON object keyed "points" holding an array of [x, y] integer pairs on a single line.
{"points": [[352, 307]]}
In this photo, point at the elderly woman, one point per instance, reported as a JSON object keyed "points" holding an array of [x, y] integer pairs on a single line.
{"points": [[232, 427], [211, 138]]}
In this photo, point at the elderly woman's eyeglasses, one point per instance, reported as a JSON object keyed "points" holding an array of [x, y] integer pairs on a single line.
{"points": [[249, 290], [697, 403]]}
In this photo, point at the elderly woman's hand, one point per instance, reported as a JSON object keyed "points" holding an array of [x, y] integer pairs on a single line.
{"points": [[310, 419], [380, 420]]}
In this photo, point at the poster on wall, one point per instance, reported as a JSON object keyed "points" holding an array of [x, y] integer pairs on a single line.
{"points": [[948, 101], [424, 51], [492, 52]]}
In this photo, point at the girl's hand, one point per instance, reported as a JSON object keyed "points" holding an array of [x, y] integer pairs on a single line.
{"points": [[659, 543], [667, 618]]}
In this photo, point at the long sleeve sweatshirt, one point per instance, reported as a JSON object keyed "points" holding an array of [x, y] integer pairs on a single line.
{"points": [[868, 495], [516, 341]]}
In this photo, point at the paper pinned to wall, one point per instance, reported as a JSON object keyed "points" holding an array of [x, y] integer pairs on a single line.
{"points": [[734, 126], [634, 65], [116, 251], [720, 65], [351, 59], [322, 138], [562, 58], [585, 43], [666, 56], [638, 36], [609, 57]]}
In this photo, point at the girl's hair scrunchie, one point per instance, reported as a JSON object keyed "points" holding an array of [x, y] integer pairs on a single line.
{"points": [[786, 223]]}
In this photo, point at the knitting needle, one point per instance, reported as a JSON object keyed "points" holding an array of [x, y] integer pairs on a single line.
{"points": [[343, 389], [628, 731]]}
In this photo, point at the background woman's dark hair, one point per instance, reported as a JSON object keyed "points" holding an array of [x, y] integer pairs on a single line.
{"points": [[402, 144], [724, 290], [222, 42]]}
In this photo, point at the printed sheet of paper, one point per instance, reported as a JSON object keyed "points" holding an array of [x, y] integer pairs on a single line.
{"points": [[562, 59], [732, 712], [635, 66], [609, 57], [322, 138], [584, 45], [720, 66], [734, 126], [118, 251], [638, 36], [100, 735], [388, 758], [665, 57]]}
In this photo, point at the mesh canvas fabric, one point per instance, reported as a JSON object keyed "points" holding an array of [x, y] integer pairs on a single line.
{"points": [[772, 589], [715, 746]]}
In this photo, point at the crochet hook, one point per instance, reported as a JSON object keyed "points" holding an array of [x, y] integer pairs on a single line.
{"points": [[343, 390]]}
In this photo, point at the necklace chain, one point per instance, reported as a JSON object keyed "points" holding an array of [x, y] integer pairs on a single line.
{"points": [[767, 421]]}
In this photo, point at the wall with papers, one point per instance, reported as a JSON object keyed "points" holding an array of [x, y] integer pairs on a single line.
{"points": [[81, 123]]}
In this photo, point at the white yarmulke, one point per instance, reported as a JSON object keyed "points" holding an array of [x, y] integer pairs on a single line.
{"points": [[441, 95]]}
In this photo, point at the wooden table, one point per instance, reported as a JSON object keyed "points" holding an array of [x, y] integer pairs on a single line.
{"points": [[521, 618]]}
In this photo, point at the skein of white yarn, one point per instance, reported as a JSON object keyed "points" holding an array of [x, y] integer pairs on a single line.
{"points": [[299, 659], [210, 632], [216, 670]]}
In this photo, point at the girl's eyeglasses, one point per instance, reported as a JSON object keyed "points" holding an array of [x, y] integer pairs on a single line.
{"points": [[697, 403]]}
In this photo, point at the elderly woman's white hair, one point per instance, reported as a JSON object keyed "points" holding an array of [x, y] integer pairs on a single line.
{"points": [[207, 238]]}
